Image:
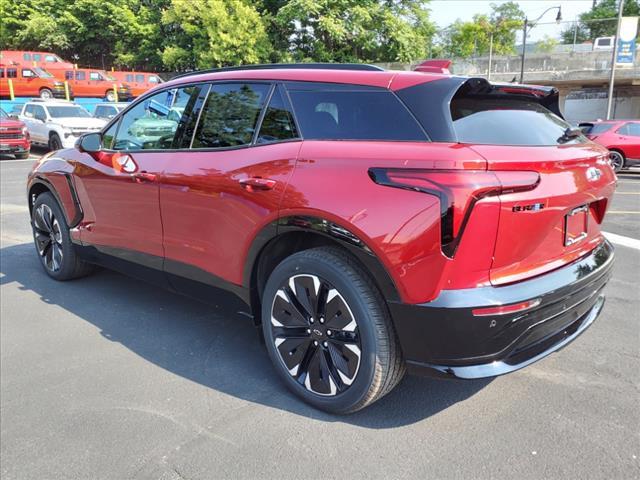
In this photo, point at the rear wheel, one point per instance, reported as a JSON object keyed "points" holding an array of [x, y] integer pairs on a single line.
{"points": [[54, 142], [617, 160], [110, 96], [328, 331], [46, 94], [52, 241]]}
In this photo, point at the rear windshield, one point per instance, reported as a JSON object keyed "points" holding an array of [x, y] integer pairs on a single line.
{"points": [[595, 129], [354, 115], [507, 122]]}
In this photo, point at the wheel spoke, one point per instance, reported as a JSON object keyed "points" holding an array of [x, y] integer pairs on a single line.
{"points": [[305, 289], [286, 312], [56, 256], [333, 368], [38, 220], [338, 314], [42, 241], [292, 351]]}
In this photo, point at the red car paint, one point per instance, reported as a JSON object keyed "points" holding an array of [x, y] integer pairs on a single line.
{"points": [[14, 136], [439, 222]]}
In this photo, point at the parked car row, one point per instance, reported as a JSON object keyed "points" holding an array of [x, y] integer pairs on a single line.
{"points": [[44, 74]]}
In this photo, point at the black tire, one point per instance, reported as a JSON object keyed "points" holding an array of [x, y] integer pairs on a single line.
{"points": [[46, 94], [22, 156], [54, 142], [325, 363], [617, 160], [52, 241]]}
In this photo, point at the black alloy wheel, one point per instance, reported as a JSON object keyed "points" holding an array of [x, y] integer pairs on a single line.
{"points": [[48, 237], [53, 242], [328, 331], [316, 334], [617, 160]]}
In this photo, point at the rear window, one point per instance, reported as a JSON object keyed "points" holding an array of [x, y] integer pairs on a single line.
{"points": [[502, 121], [354, 115]]}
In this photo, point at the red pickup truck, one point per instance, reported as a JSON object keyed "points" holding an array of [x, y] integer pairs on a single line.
{"points": [[14, 136]]}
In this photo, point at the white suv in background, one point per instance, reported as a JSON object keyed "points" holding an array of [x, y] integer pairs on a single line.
{"points": [[57, 124]]}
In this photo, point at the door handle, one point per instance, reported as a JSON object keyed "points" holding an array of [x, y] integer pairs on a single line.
{"points": [[257, 183], [141, 177]]}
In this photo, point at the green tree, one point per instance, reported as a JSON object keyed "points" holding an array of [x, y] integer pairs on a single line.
{"points": [[546, 45], [356, 30], [463, 39], [600, 21], [213, 33]]}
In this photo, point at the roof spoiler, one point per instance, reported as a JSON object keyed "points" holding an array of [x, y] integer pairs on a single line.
{"points": [[548, 97], [434, 66]]}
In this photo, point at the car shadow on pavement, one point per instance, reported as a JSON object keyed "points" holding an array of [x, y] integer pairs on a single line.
{"points": [[218, 350]]}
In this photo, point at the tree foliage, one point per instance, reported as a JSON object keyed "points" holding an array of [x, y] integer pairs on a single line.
{"points": [[600, 21], [463, 39]]}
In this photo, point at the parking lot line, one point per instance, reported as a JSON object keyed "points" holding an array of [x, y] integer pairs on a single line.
{"points": [[627, 193], [622, 240]]}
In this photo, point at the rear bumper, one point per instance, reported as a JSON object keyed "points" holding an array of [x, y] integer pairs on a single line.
{"points": [[445, 338]]}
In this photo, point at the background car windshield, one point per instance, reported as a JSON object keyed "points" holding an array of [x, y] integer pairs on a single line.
{"points": [[507, 122], [68, 111], [598, 128], [3, 114], [42, 73]]}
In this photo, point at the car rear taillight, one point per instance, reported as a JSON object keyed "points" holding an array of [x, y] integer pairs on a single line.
{"points": [[506, 309], [458, 191]]}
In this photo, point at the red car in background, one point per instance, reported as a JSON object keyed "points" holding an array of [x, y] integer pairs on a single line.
{"points": [[139, 82], [14, 137], [620, 137], [34, 59]]}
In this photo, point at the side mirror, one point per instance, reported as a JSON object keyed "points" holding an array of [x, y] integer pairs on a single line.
{"points": [[89, 143]]}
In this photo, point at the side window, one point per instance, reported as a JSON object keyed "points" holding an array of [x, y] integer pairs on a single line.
{"points": [[36, 57], [29, 111], [26, 56], [12, 73], [50, 58], [80, 76], [153, 79], [107, 137], [95, 76], [39, 113], [633, 129], [27, 73], [278, 121], [153, 122], [139, 78], [1, 72], [129, 77], [354, 115], [229, 117], [100, 111]]}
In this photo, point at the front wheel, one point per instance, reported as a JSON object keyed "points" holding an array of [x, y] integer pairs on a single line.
{"points": [[328, 331], [22, 156], [110, 96], [46, 94], [617, 160], [52, 241], [54, 142]]}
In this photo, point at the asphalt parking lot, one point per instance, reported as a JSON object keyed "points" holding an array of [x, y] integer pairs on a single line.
{"points": [[107, 377]]}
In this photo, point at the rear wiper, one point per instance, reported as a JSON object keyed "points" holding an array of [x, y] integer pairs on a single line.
{"points": [[569, 134]]}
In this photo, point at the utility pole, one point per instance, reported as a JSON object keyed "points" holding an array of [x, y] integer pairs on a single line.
{"points": [[490, 56], [612, 77], [524, 48]]}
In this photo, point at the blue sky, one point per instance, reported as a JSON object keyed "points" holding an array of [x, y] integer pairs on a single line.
{"points": [[445, 12]]}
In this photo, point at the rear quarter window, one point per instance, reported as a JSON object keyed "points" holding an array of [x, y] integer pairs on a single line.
{"points": [[503, 121], [354, 115]]}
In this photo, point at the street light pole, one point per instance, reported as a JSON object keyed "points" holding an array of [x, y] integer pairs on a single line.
{"points": [[524, 49], [524, 35], [612, 77]]}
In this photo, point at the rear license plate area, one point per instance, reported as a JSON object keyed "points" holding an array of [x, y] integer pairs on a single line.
{"points": [[576, 224]]}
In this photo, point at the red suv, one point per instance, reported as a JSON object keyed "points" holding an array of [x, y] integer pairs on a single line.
{"points": [[620, 137], [14, 137], [368, 221]]}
